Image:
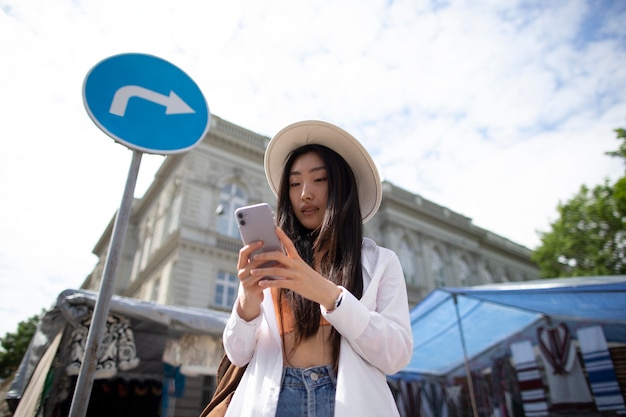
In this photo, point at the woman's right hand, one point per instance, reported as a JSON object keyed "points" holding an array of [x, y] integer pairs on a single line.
{"points": [[249, 301]]}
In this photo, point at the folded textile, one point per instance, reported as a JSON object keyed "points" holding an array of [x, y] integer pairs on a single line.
{"points": [[409, 398], [602, 378], [504, 385], [563, 372], [531, 386], [117, 348], [434, 399]]}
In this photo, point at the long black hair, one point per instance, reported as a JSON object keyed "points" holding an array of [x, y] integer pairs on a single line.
{"points": [[335, 246]]}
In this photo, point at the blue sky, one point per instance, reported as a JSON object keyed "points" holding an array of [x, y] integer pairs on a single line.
{"points": [[496, 110]]}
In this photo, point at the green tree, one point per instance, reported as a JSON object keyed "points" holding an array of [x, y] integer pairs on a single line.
{"points": [[621, 152], [14, 345], [589, 237]]}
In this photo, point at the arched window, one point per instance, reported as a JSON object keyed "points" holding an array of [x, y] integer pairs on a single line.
{"points": [[231, 197], [486, 277]]}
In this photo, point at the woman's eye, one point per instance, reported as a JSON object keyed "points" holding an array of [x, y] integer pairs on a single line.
{"points": [[322, 179], [294, 184]]}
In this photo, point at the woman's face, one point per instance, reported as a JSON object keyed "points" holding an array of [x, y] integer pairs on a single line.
{"points": [[308, 189]]}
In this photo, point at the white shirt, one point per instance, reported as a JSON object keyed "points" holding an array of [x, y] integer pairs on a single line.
{"points": [[376, 341]]}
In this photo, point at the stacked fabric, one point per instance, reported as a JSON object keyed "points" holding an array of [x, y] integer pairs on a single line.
{"points": [[408, 397], [602, 378], [434, 399], [618, 355], [531, 386]]}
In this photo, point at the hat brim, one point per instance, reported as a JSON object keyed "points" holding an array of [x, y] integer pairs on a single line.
{"points": [[309, 132]]}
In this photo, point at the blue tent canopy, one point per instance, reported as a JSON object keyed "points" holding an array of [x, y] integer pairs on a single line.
{"points": [[484, 317]]}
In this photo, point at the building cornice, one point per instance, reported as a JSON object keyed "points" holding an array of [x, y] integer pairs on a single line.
{"points": [[447, 219], [242, 142]]}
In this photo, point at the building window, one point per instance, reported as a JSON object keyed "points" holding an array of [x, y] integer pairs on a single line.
{"points": [[174, 213], [407, 259], [231, 197], [225, 289], [438, 269], [464, 273], [145, 250]]}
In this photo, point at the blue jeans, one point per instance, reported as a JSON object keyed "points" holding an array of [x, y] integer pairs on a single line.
{"points": [[307, 392]]}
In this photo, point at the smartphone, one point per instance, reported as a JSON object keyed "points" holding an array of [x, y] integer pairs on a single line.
{"points": [[256, 222]]}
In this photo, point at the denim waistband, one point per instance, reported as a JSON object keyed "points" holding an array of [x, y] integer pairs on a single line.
{"points": [[309, 377]]}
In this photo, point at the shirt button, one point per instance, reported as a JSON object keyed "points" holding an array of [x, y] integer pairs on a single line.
{"points": [[314, 376]]}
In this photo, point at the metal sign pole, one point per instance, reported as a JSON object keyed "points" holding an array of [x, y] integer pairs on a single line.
{"points": [[177, 124], [84, 383]]}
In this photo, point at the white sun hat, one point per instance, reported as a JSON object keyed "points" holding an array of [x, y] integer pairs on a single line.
{"points": [[310, 132]]}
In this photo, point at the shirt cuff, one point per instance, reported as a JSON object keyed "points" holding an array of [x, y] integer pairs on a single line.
{"points": [[337, 302]]}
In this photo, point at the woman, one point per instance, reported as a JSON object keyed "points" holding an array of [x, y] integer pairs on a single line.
{"points": [[320, 339]]}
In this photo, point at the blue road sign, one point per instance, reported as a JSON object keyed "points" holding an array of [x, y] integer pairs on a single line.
{"points": [[146, 103]]}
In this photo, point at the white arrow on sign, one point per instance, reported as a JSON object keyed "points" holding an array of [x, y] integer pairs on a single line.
{"points": [[173, 104]]}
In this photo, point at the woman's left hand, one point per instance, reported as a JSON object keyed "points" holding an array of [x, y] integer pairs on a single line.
{"points": [[296, 275]]}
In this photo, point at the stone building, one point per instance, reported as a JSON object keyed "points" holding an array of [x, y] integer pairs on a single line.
{"points": [[182, 242]]}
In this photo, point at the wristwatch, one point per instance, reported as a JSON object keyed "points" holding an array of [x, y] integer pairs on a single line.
{"points": [[338, 300]]}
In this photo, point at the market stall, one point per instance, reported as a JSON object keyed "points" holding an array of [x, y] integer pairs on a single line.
{"points": [[532, 348], [151, 361]]}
